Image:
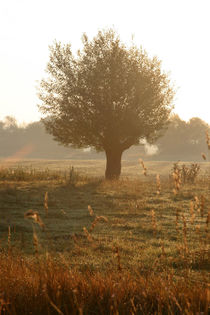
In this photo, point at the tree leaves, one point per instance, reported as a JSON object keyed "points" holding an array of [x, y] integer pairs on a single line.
{"points": [[105, 95]]}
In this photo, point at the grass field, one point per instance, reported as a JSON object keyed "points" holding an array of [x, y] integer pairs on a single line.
{"points": [[123, 247]]}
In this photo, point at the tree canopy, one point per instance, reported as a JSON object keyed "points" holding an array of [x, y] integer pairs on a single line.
{"points": [[108, 97]]}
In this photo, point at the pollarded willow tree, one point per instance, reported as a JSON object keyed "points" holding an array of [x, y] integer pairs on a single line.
{"points": [[109, 97]]}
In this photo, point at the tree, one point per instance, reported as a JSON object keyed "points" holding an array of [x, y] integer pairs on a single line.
{"points": [[108, 97], [192, 143], [174, 144]]}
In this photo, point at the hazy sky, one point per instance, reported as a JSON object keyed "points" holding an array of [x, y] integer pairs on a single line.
{"points": [[177, 31]]}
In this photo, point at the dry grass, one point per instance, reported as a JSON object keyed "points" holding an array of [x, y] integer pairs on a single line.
{"points": [[48, 286], [91, 246]]}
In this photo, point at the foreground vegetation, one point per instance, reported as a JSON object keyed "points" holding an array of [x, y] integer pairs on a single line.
{"points": [[89, 246]]}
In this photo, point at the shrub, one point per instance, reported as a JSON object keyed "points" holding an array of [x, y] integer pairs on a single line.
{"points": [[188, 173]]}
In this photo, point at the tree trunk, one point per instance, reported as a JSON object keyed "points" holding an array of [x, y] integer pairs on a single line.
{"points": [[113, 163]]}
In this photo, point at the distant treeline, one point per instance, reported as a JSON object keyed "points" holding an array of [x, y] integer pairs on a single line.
{"points": [[181, 141]]}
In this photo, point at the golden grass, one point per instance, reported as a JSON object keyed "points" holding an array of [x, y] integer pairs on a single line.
{"points": [[48, 286], [91, 246]]}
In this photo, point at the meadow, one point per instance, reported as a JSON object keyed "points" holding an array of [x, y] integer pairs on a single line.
{"points": [[73, 243]]}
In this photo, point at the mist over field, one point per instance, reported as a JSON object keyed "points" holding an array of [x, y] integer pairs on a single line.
{"points": [[182, 141]]}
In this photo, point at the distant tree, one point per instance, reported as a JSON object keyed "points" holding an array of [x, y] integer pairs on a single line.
{"points": [[14, 138], [44, 146], [108, 97], [10, 136], [183, 140], [174, 142], [10, 123], [196, 130]]}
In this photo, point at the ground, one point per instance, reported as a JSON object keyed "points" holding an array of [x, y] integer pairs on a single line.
{"points": [[132, 225]]}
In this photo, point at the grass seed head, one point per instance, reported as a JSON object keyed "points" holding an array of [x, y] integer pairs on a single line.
{"points": [[90, 211], [87, 234], [96, 220], [35, 216], [192, 213], [177, 178], [158, 184], [143, 166], [46, 202]]}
